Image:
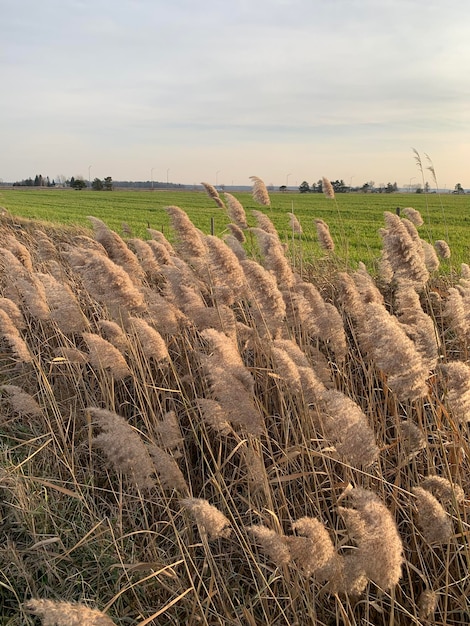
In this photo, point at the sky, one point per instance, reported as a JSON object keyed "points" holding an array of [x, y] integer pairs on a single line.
{"points": [[219, 90]]}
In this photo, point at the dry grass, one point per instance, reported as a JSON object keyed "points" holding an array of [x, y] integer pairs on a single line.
{"points": [[200, 435]]}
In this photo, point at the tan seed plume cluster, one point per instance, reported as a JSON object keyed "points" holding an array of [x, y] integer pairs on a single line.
{"points": [[235, 211], [214, 194], [260, 193], [442, 249], [123, 447], [210, 520], [324, 237], [327, 188], [53, 613]]}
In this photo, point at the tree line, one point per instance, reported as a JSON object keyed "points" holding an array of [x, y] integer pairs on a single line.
{"points": [[76, 183]]}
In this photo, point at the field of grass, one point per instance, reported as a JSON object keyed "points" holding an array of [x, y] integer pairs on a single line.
{"points": [[354, 219], [200, 433]]}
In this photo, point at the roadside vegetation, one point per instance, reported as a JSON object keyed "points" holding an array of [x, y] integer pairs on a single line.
{"points": [[245, 428]]}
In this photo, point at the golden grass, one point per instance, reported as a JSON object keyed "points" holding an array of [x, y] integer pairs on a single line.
{"points": [[205, 435]]}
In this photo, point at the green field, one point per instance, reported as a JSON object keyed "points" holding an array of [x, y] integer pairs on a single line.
{"points": [[354, 219]]}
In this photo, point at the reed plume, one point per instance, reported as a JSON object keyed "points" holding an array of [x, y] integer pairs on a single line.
{"points": [[274, 258], [109, 283], [169, 473], [457, 383], [431, 259], [260, 193], [70, 355], [22, 286], [413, 215], [327, 318], [160, 238], [226, 274], [395, 354], [379, 547], [294, 224], [324, 237], [9, 333], [418, 325], [327, 188], [117, 249], [113, 333], [263, 222], [442, 249], [214, 415], [210, 520], [443, 489], [427, 604], [434, 522], [64, 308], [160, 252], [13, 312], [235, 211], [149, 340], [55, 613], [21, 402], [404, 251], [214, 194], [412, 438], [286, 369], [169, 431], [268, 308], [345, 424], [190, 239], [20, 251], [146, 257], [313, 552], [104, 356], [272, 544], [123, 447]]}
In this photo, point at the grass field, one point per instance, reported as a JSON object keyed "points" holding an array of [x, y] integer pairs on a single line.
{"points": [[354, 219]]}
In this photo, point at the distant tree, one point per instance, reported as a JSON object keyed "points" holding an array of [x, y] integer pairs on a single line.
{"points": [[365, 187], [427, 187], [339, 186], [97, 184], [318, 186], [108, 183], [458, 188], [389, 188], [71, 181], [283, 188], [78, 183], [419, 189], [304, 187]]}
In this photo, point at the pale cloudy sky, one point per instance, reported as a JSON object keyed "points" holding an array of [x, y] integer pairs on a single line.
{"points": [[218, 90]]}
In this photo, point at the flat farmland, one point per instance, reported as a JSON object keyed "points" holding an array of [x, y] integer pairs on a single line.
{"points": [[354, 219]]}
